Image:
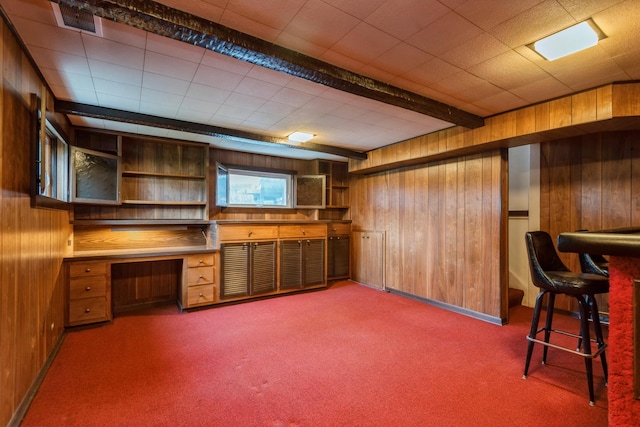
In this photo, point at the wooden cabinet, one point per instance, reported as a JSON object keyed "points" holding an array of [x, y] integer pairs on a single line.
{"points": [[89, 293], [247, 269], [200, 279], [302, 255], [337, 182], [338, 251], [368, 258]]}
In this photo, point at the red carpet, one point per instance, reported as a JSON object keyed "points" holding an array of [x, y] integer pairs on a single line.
{"points": [[347, 356]]}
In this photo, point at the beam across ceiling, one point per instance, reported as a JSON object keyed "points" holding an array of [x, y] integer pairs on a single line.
{"points": [[168, 22], [84, 110]]}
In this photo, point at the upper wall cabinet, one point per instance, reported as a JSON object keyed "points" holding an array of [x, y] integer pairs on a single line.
{"points": [[160, 180]]}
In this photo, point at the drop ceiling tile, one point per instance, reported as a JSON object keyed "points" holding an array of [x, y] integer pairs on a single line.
{"points": [[167, 100], [217, 78], [258, 88], [113, 52], [174, 48], [268, 13], [117, 102], [193, 116], [533, 24], [77, 81], [292, 97], [76, 95], [476, 50], [123, 34], [300, 45], [52, 37], [206, 106], [401, 58], [235, 112], [486, 15], [508, 71], [583, 9], [306, 86], [541, 90], [358, 8], [270, 76], [61, 61], [438, 38], [404, 18], [112, 88], [466, 87], [116, 73], [164, 84], [503, 101], [364, 43], [431, 72], [261, 120], [209, 9], [207, 93], [271, 107], [169, 66], [234, 20], [320, 23], [245, 101], [161, 110]]}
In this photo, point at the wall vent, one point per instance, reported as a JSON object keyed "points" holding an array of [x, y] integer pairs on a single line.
{"points": [[72, 17]]}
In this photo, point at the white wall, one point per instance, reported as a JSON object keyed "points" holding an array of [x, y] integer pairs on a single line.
{"points": [[524, 195]]}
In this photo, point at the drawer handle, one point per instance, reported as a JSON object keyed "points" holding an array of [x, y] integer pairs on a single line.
{"points": [[200, 294], [201, 261], [88, 270], [200, 276], [87, 310], [250, 233], [88, 288]]}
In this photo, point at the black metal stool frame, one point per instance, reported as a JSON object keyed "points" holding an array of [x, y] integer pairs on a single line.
{"points": [[587, 305]]}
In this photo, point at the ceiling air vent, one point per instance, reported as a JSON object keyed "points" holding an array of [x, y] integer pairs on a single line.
{"points": [[72, 17]]}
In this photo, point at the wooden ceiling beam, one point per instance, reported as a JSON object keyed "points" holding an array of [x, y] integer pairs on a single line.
{"points": [[178, 25]]}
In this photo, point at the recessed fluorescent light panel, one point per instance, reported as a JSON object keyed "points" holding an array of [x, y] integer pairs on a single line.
{"points": [[570, 40], [300, 137]]}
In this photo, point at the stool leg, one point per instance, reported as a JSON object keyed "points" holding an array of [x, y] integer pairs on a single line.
{"points": [[586, 344], [548, 325], [597, 327], [534, 329]]}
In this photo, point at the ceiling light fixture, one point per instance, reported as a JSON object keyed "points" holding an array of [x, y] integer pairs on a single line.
{"points": [[300, 137], [570, 40]]}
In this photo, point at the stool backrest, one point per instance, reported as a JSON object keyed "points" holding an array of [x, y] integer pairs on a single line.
{"points": [[542, 257]]}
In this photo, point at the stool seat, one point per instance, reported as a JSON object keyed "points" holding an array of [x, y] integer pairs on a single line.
{"points": [[549, 273], [568, 282]]}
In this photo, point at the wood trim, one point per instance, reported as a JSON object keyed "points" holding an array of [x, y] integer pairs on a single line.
{"points": [[611, 107]]}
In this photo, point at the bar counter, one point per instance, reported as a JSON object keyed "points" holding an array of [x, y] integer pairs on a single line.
{"points": [[622, 246]]}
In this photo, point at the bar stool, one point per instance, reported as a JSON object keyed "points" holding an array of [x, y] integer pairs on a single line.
{"points": [[549, 273]]}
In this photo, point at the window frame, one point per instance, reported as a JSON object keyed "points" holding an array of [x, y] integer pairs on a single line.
{"points": [[224, 174]]}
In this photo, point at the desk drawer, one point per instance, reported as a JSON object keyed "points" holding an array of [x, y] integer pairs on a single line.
{"points": [[336, 229], [303, 231], [87, 287], [201, 275], [200, 295], [87, 310], [200, 260], [244, 233], [93, 268]]}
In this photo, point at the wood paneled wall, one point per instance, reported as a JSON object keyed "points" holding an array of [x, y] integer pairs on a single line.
{"points": [[445, 226], [589, 182], [32, 241]]}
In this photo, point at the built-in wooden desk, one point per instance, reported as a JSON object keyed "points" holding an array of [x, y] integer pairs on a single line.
{"points": [[623, 352], [143, 276]]}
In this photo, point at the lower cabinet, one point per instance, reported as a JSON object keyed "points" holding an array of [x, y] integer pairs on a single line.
{"points": [[368, 258], [88, 292], [201, 280], [301, 263], [247, 269], [338, 249]]}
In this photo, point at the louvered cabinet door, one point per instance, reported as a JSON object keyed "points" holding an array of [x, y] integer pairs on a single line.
{"points": [[313, 251], [338, 257], [263, 267], [234, 270], [291, 264]]}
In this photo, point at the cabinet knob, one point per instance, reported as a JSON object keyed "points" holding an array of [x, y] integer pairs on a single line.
{"points": [[200, 276], [304, 232], [87, 310], [88, 270], [88, 288], [200, 294], [201, 261], [250, 233]]}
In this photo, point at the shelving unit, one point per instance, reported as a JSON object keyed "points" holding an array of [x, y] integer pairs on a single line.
{"points": [[337, 188], [160, 179]]}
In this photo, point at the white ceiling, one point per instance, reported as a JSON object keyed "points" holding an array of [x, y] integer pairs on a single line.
{"points": [[470, 54]]}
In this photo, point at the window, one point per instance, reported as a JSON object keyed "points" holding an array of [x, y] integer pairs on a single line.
{"points": [[251, 188]]}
